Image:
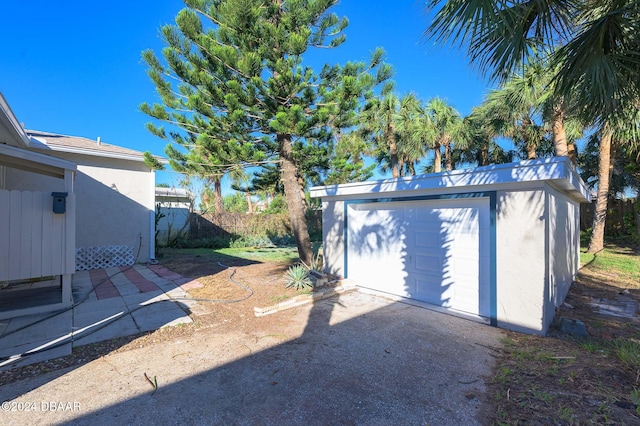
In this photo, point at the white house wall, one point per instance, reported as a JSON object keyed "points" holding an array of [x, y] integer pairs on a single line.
{"points": [[113, 207], [115, 201]]}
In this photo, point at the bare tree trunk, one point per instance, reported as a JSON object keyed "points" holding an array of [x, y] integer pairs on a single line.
{"points": [[393, 151], [605, 169], [559, 134], [448, 161], [529, 146], [217, 196], [531, 152], [295, 199], [484, 155], [437, 161], [572, 153], [411, 168], [249, 203]]}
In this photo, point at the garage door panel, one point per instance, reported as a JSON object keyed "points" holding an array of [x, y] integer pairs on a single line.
{"points": [[427, 240], [431, 290], [434, 251], [426, 264]]}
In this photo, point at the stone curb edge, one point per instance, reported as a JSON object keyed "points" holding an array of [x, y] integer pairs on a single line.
{"points": [[302, 300]]}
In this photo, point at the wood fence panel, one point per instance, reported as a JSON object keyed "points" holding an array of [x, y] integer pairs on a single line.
{"points": [[235, 225], [15, 226], [33, 239], [5, 222], [47, 241], [36, 238], [622, 217], [26, 225]]}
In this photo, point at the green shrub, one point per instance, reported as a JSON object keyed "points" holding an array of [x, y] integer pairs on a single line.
{"points": [[277, 205], [585, 237], [211, 243], [297, 277], [282, 240], [251, 241], [235, 203]]}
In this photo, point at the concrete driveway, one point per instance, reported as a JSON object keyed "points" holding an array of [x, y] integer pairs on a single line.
{"points": [[352, 359]]}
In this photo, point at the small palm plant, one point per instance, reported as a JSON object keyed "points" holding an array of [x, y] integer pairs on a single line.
{"points": [[297, 277]]}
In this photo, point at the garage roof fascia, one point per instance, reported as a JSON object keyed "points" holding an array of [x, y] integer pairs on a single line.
{"points": [[556, 171]]}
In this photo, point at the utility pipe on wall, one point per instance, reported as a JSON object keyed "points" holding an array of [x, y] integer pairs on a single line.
{"points": [[152, 237]]}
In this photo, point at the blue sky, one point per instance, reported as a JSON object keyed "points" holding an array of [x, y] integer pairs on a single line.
{"points": [[74, 67]]}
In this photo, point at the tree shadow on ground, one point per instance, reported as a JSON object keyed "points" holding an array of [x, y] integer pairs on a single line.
{"points": [[357, 359]]}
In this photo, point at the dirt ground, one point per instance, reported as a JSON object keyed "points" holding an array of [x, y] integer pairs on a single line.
{"points": [[222, 278], [557, 379], [565, 380]]}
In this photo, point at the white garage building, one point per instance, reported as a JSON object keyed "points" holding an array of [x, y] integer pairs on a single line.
{"points": [[498, 244]]}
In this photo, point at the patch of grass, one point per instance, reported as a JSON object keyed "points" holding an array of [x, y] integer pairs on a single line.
{"points": [[635, 399], [593, 345], [283, 254], [586, 258], [504, 375], [265, 254], [541, 395], [628, 351], [621, 262], [566, 414], [280, 298]]}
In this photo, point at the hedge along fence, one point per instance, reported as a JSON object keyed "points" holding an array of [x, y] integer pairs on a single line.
{"points": [[240, 225], [623, 218]]}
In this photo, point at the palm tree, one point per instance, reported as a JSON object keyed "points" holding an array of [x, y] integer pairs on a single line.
{"points": [[592, 45], [416, 132], [447, 126], [398, 128], [378, 123], [593, 48], [482, 128]]}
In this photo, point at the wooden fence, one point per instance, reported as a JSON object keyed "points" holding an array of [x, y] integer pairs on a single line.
{"points": [[34, 241], [234, 225], [623, 217]]}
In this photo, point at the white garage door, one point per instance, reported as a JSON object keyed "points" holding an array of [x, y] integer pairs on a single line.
{"points": [[435, 251]]}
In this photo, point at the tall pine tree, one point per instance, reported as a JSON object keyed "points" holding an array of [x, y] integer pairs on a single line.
{"points": [[237, 65]]}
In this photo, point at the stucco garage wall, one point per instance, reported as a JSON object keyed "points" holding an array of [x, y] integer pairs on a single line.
{"points": [[564, 235], [333, 236], [531, 248], [520, 264]]}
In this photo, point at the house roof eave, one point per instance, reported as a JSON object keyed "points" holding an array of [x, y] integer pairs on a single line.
{"points": [[34, 162], [11, 132]]}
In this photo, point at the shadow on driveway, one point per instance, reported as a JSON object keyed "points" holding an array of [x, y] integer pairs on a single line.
{"points": [[352, 359]]}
